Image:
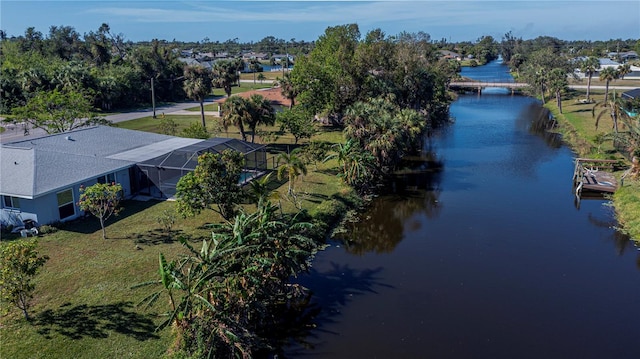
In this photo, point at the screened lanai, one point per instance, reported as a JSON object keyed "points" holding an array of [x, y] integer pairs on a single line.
{"points": [[159, 176]]}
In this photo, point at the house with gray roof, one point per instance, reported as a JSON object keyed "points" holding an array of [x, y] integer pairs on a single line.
{"points": [[40, 178]]}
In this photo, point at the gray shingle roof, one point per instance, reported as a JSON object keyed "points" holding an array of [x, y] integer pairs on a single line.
{"points": [[635, 93], [34, 167]]}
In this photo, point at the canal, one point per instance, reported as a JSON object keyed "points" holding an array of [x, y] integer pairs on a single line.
{"points": [[483, 253]]}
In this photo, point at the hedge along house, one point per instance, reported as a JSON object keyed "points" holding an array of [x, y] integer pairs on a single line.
{"points": [[40, 178]]}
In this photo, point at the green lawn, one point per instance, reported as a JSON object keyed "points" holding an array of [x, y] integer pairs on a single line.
{"points": [[270, 76], [84, 304], [577, 126], [244, 87], [150, 124]]}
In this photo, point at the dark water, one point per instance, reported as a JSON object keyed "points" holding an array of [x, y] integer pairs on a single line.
{"points": [[484, 254]]}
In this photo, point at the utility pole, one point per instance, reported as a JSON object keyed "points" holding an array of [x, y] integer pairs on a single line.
{"points": [[153, 98]]}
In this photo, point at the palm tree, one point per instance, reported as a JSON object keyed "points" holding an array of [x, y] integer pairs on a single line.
{"points": [[540, 79], [197, 85], [235, 112], [259, 189], [557, 84], [589, 66], [623, 70], [260, 112], [261, 77], [225, 75], [293, 166], [288, 89], [254, 66], [357, 165], [608, 74], [614, 107]]}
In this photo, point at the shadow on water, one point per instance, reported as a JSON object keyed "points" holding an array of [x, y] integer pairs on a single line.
{"points": [[621, 241], [95, 321], [332, 289], [413, 191], [539, 121]]}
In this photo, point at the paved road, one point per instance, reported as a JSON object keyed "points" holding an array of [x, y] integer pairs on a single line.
{"points": [[602, 87], [16, 132]]}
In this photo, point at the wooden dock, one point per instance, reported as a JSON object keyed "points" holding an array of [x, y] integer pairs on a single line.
{"points": [[590, 175]]}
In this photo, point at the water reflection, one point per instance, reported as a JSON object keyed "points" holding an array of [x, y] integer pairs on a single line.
{"points": [[334, 287], [414, 191], [539, 121]]}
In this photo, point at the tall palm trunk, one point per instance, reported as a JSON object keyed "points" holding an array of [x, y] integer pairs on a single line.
{"points": [[559, 100], [204, 125], [589, 86]]}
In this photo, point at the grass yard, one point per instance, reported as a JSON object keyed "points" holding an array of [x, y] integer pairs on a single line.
{"points": [[244, 87], [577, 125], [84, 306], [270, 76]]}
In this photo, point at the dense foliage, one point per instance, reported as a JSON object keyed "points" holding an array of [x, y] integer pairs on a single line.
{"points": [[57, 112], [383, 91], [222, 299], [213, 184], [112, 72]]}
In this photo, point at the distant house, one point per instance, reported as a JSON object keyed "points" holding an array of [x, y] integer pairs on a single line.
{"points": [[277, 58], [623, 56], [604, 63], [40, 178], [205, 56], [255, 56], [222, 56], [186, 53], [189, 61], [450, 55]]}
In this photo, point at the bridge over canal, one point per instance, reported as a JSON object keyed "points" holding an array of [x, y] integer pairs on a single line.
{"points": [[480, 85]]}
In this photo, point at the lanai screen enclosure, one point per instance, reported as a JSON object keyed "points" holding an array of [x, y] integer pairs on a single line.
{"points": [[159, 176]]}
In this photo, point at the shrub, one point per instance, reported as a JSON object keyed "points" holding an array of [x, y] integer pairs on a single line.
{"points": [[195, 131], [47, 229], [167, 219]]}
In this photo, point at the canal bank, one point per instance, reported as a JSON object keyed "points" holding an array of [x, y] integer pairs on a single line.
{"points": [[578, 130], [485, 255]]}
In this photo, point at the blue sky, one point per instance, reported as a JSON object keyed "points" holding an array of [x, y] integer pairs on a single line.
{"points": [[306, 20]]}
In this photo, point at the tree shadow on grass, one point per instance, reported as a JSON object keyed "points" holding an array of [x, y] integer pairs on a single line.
{"points": [[158, 236], [90, 224], [95, 321]]}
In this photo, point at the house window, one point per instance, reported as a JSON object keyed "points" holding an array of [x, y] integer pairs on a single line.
{"points": [[66, 207], [11, 202], [110, 178]]}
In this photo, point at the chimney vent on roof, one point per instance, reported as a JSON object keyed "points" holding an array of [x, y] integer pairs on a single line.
{"points": [[68, 138]]}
